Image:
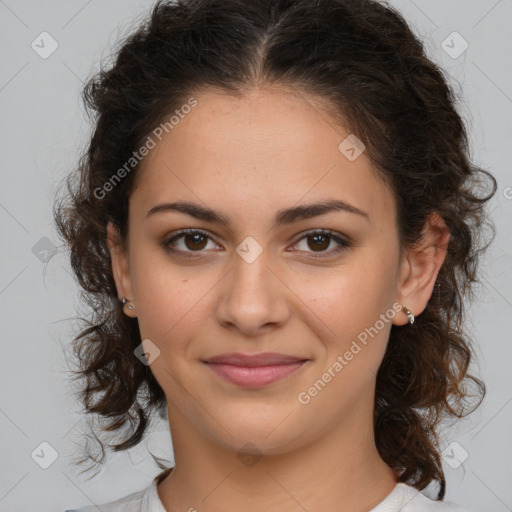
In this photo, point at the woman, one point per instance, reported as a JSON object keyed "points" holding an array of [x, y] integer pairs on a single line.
{"points": [[276, 224]]}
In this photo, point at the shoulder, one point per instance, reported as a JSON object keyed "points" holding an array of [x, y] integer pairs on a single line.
{"points": [[131, 503], [407, 498], [145, 500]]}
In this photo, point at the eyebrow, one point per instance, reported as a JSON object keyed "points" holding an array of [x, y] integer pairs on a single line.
{"points": [[286, 216]]}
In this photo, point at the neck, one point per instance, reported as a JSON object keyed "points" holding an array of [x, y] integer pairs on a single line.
{"points": [[340, 470]]}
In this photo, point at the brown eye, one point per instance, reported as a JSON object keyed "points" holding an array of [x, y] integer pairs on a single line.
{"points": [[319, 241], [187, 241], [190, 241], [196, 241]]}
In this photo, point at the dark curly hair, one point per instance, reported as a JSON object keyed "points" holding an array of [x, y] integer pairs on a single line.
{"points": [[363, 58]]}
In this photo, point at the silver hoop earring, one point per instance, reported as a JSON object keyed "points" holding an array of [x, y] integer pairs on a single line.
{"points": [[410, 316], [124, 301]]}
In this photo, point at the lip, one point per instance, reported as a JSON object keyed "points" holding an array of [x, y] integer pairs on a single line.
{"points": [[254, 370], [251, 360]]}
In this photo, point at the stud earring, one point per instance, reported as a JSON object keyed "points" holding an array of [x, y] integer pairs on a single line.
{"points": [[124, 301], [410, 316]]}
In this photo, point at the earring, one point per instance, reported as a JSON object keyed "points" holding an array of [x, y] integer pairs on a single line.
{"points": [[124, 301], [410, 316]]}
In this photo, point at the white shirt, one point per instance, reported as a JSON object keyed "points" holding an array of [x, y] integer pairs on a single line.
{"points": [[403, 498]]}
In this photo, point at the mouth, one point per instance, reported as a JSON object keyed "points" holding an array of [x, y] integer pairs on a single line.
{"points": [[253, 371]]}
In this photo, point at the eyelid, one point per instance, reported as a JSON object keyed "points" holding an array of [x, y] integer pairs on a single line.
{"points": [[343, 242], [175, 235]]}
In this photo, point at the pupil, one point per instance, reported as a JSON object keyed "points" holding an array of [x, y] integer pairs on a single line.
{"points": [[196, 239], [318, 242]]}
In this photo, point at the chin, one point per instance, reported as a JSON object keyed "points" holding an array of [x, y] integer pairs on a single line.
{"points": [[253, 438]]}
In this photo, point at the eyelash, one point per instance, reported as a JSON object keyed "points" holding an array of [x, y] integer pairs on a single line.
{"points": [[343, 244]]}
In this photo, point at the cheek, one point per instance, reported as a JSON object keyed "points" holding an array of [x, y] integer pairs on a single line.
{"points": [[338, 303], [348, 296], [170, 300], [344, 308]]}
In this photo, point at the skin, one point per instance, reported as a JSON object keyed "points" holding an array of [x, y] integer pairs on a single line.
{"points": [[247, 158]]}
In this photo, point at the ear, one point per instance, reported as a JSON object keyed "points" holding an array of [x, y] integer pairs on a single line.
{"points": [[420, 267], [120, 267]]}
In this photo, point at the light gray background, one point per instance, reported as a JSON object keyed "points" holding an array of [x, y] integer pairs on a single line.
{"points": [[43, 131]]}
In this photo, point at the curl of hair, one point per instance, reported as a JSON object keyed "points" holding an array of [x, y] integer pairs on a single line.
{"points": [[363, 61]]}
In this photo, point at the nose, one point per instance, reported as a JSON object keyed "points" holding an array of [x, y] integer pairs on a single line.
{"points": [[253, 297]]}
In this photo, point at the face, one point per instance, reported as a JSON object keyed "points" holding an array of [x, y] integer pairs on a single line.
{"points": [[263, 281]]}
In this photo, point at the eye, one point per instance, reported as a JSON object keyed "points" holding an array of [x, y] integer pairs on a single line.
{"points": [[320, 240], [194, 240]]}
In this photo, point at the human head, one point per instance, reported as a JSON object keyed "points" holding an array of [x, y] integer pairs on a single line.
{"points": [[363, 61]]}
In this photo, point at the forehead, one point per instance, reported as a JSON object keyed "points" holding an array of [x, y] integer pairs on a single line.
{"points": [[260, 152]]}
